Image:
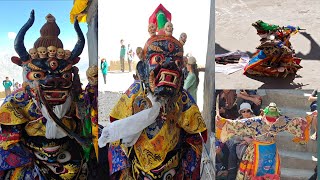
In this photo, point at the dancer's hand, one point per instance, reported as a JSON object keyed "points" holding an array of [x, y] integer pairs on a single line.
{"points": [[219, 122], [296, 122], [247, 140], [315, 113]]}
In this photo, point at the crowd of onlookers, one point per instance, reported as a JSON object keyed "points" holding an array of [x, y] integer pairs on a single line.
{"points": [[239, 104], [314, 107], [235, 104]]}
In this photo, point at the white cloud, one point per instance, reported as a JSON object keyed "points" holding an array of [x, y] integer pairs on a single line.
{"points": [[12, 35]]}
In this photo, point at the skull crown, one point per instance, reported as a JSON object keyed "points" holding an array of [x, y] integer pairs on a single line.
{"points": [[152, 29], [52, 50], [67, 54], [42, 52], [168, 28], [33, 53], [60, 53]]}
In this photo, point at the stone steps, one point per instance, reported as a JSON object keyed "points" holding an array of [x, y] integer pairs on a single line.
{"points": [[284, 142], [295, 99], [297, 160], [293, 112], [295, 174]]}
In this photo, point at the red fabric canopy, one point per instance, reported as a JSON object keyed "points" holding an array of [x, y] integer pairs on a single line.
{"points": [[153, 17]]}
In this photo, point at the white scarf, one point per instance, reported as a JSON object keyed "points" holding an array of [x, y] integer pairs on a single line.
{"points": [[53, 131], [130, 128]]}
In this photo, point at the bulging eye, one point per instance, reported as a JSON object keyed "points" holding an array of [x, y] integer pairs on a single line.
{"points": [[64, 157], [67, 75], [41, 156], [35, 75], [157, 59]]}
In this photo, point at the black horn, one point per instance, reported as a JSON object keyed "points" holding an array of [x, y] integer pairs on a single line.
{"points": [[78, 48], [19, 41]]}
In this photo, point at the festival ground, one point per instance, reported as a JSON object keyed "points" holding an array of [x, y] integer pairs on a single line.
{"points": [[305, 79], [235, 32], [117, 83]]}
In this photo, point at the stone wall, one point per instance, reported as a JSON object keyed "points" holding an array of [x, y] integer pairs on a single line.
{"points": [[115, 65]]}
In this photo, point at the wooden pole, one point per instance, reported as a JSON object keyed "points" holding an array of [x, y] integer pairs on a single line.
{"points": [[92, 34], [208, 93], [209, 85]]}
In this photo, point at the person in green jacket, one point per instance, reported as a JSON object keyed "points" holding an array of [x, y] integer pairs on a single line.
{"points": [[7, 86], [122, 54], [192, 81], [104, 69]]}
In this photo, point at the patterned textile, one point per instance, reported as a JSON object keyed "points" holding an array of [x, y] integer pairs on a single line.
{"points": [[254, 163], [267, 158], [21, 121], [275, 56], [41, 137], [90, 122], [13, 157], [119, 160], [169, 138], [22, 173], [126, 102], [18, 109]]}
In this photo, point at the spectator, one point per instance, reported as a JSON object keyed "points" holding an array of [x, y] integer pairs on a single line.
{"points": [[238, 145], [315, 175], [130, 55], [104, 69], [222, 154], [16, 86], [313, 107], [192, 81], [227, 104], [251, 97], [140, 54], [141, 72], [184, 69], [7, 86], [314, 110], [122, 55]]}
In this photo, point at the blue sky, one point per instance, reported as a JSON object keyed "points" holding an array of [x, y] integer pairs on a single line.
{"points": [[15, 13]]}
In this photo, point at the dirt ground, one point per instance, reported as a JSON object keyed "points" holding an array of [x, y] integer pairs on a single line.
{"points": [[117, 83], [234, 32]]}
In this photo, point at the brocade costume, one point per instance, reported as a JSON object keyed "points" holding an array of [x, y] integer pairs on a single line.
{"points": [[48, 128], [275, 56], [155, 130], [261, 159]]}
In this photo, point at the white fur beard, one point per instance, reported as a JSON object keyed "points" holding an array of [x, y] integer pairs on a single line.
{"points": [[53, 131]]}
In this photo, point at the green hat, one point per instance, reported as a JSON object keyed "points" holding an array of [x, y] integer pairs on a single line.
{"points": [[262, 26], [272, 110]]}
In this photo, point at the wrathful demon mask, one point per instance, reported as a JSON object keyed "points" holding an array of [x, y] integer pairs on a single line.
{"points": [[163, 57], [51, 79], [48, 69], [60, 159]]}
